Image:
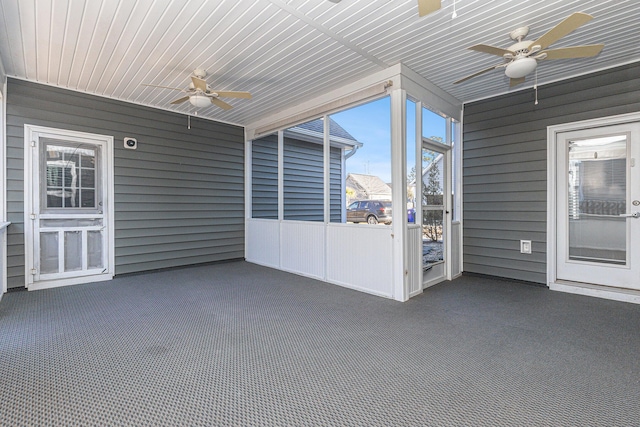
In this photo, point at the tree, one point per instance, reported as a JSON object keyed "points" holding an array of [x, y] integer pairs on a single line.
{"points": [[411, 177]]}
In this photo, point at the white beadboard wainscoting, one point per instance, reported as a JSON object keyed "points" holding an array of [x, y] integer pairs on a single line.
{"points": [[456, 253], [360, 257], [302, 248], [414, 261], [263, 242], [354, 256]]}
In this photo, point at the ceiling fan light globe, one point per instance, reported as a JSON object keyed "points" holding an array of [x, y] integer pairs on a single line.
{"points": [[520, 67], [200, 101]]}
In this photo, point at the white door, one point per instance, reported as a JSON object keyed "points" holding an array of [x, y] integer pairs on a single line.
{"points": [[598, 206], [68, 208], [435, 213]]}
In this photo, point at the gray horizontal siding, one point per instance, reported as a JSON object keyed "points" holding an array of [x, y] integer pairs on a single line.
{"points": [[303, 185], [303, 181], [179, 198], [264, 193], [505, 165], [335, 185]]}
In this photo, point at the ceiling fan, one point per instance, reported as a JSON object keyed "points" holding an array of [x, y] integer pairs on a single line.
{"points": [[522, 57], [200, 94], [425, 7]]}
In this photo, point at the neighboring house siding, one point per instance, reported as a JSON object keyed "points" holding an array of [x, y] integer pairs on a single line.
{"points": [[264, 171], [304, 180], [303, 185], [179, 198], [505, 165], [335, 185]]}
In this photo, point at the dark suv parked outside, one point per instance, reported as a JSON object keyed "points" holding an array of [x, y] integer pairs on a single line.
{"points": [[370, 211]]}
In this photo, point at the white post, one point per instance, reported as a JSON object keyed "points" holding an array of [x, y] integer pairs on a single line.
{"points": [[399, 192], [280, 195], [419, 183], [248, 188], [327, 190], [280, 175], [327, 168]]}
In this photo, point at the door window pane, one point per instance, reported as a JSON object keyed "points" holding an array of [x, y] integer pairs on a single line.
{"points": [[597, 194], [70, 174], [432, 207]]}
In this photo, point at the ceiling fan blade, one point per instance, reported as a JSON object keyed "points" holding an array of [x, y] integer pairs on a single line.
{"points": [[221, 104], [485, 48], [199, 83], [426, 7], [163, 87], [516, 82], [574, 52], [233, 94], [180, 100], [477, 74], [571, 23]]}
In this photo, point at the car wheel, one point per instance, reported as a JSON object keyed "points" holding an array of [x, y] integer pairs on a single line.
{"points": [[372, 219]]}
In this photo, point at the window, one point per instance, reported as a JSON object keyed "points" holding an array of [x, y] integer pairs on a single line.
{"points": [[365, 131], [434, 127], [412, 173]]}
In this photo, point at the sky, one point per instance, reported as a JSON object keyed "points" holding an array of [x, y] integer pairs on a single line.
{"points": [[371, 124]]}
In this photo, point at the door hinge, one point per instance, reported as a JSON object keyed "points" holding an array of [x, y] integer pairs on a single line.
{"points": [[33, 271], [32, 216], [33, 143]]}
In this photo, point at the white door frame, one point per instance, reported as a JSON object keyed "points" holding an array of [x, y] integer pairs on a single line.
{"points": [[30, 155], [552, 281]]}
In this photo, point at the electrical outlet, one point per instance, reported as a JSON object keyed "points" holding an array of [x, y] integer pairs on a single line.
{"points": [[525, 246]]}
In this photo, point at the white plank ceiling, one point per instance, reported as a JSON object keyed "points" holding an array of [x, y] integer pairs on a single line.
{"points": [[286, 51]]}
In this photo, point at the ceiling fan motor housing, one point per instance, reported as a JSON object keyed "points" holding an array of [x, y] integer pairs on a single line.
{"points": [[520, 67]]}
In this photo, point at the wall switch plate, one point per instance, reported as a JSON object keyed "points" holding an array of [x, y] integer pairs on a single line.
{"points": [[525, 246]]}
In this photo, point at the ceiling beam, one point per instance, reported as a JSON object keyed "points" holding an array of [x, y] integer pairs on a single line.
{"points": [[333, 35]]}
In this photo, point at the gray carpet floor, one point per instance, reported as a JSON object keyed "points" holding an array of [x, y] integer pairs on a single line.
{"points": [[242, 345]]}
